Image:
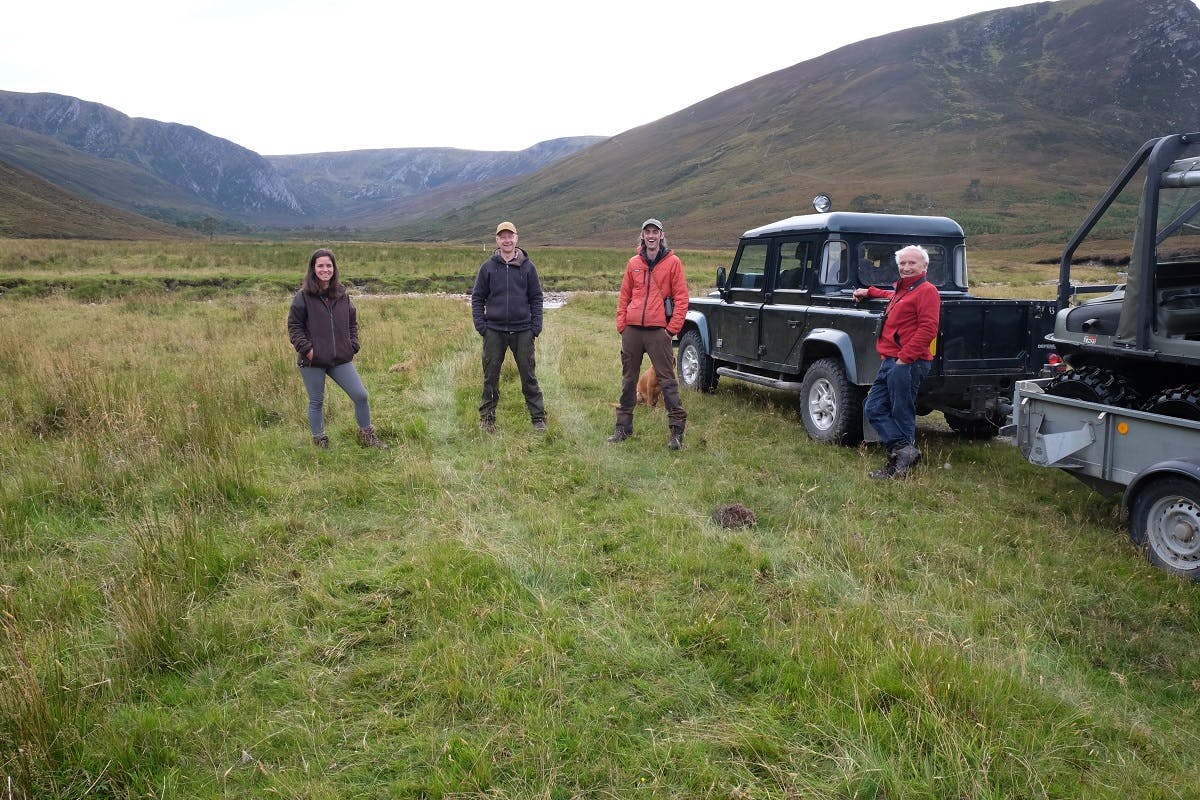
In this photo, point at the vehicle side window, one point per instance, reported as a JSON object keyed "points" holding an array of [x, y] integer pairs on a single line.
{"points": [[834, 264], [877, 264], [751, 267], [794, 261]]}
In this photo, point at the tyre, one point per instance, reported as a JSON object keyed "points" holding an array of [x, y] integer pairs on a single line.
{"points": [[1095, 385], [972, 427], [1182, 402], [831, 406], [697, 370], [1165, 525]]}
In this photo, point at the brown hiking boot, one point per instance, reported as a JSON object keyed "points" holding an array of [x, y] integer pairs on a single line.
{"points": [[367, 438], [487, 424], [321, 441]]}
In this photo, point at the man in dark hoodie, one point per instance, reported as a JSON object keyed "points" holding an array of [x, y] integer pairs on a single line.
{"points": [[506, 305]]}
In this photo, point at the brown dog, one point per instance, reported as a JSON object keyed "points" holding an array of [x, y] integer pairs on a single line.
{"points": [[647, 388]]}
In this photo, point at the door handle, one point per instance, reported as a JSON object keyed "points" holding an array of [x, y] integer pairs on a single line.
{"points": [[794, 323], [752, 318]]}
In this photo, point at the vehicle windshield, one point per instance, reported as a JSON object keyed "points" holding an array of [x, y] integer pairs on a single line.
{"points": [[1178, 237]]}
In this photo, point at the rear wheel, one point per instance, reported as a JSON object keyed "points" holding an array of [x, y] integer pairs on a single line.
{"points": [[1095, 385], [1182, 402], [1165, 525], [831, 405], [697, 370]]}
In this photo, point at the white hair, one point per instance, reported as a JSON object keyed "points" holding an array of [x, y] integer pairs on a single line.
{"points": [[914, 248]]}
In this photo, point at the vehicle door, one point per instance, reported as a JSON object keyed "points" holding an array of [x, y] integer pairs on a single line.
{"points": [[735, 325], [784, 317]]}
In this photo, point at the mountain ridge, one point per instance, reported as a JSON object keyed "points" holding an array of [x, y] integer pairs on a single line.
{"points": [[1008, 120], [902, 122]]}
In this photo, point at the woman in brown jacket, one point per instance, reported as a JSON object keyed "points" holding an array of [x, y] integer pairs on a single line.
{"points": [[323, 327]]}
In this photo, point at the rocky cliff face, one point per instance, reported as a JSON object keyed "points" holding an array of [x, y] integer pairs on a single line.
{"points": [[244, 185], [340, 184], [225, 174]]}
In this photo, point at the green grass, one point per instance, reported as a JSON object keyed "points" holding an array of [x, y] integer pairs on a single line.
{"points": [[95, 271], [196, 603]]}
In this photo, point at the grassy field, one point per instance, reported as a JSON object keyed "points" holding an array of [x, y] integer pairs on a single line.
{"points": [[195, 603]]}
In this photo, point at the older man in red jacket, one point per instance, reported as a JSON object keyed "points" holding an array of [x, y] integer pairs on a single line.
{"points": [[910, 325], [653, 280]]}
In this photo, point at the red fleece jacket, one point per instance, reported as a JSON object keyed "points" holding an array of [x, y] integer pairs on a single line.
{"points": [[913, 317]]}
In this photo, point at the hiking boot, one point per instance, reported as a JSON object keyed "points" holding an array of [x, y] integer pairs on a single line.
{"points": [[321, 441], [539, 425], [676, 441], [907, 457], [619, 435], [487, 424], [888, 470], [367, 438]]}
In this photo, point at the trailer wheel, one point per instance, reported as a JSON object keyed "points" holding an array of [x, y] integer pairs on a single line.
{"points": [[1165, 525], [697, 370], [831, 405], [1095, 385], [1182, 402]]}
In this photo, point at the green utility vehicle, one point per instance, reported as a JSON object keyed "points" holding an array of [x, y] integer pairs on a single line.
{"points": [[1125, 413], [783, 316]]}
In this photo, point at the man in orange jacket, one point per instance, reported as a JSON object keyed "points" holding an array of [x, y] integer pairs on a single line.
{"points": [[653, 281]]}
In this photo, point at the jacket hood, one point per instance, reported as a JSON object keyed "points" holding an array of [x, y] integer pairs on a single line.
{"points": [[519, 256], [663, 252]]}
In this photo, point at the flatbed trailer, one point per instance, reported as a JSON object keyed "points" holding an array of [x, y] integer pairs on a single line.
{"points": [[1152, 460]]}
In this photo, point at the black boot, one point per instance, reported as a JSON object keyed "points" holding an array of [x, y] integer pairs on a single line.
{"points": [[620, 434], [907, 457], [676, 441], [888, 470]]}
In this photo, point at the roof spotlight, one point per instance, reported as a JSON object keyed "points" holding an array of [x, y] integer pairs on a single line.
{"points": [[822, 203]]}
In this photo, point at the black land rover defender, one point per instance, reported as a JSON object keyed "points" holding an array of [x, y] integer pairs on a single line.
{"points": [[783, 316]]}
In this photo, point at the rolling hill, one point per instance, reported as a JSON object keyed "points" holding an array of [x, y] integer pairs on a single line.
{"points": [[1011, 121], [33, 208]]}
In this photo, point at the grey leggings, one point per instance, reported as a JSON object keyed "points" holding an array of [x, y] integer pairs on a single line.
{"points": [[345, 376]]}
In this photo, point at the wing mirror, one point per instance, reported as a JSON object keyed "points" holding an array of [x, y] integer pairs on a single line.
{"points": [[722, 289]]}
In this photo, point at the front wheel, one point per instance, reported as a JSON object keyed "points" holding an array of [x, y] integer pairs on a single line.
{"points": [[697, 370], [831, 406], [1165, 525]]}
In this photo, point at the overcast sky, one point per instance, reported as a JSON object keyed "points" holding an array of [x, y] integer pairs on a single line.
{"points": [[305, 76]]}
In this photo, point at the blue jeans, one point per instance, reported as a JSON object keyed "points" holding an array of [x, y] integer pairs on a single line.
{"points": [[345, 376], [891, 405]]}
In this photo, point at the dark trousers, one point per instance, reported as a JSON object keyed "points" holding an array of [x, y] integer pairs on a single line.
{"points": [[891, 404], [495, 345], [656, 343]]}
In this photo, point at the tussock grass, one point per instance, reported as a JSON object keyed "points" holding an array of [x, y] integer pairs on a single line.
{"points": [[196, 603]]}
